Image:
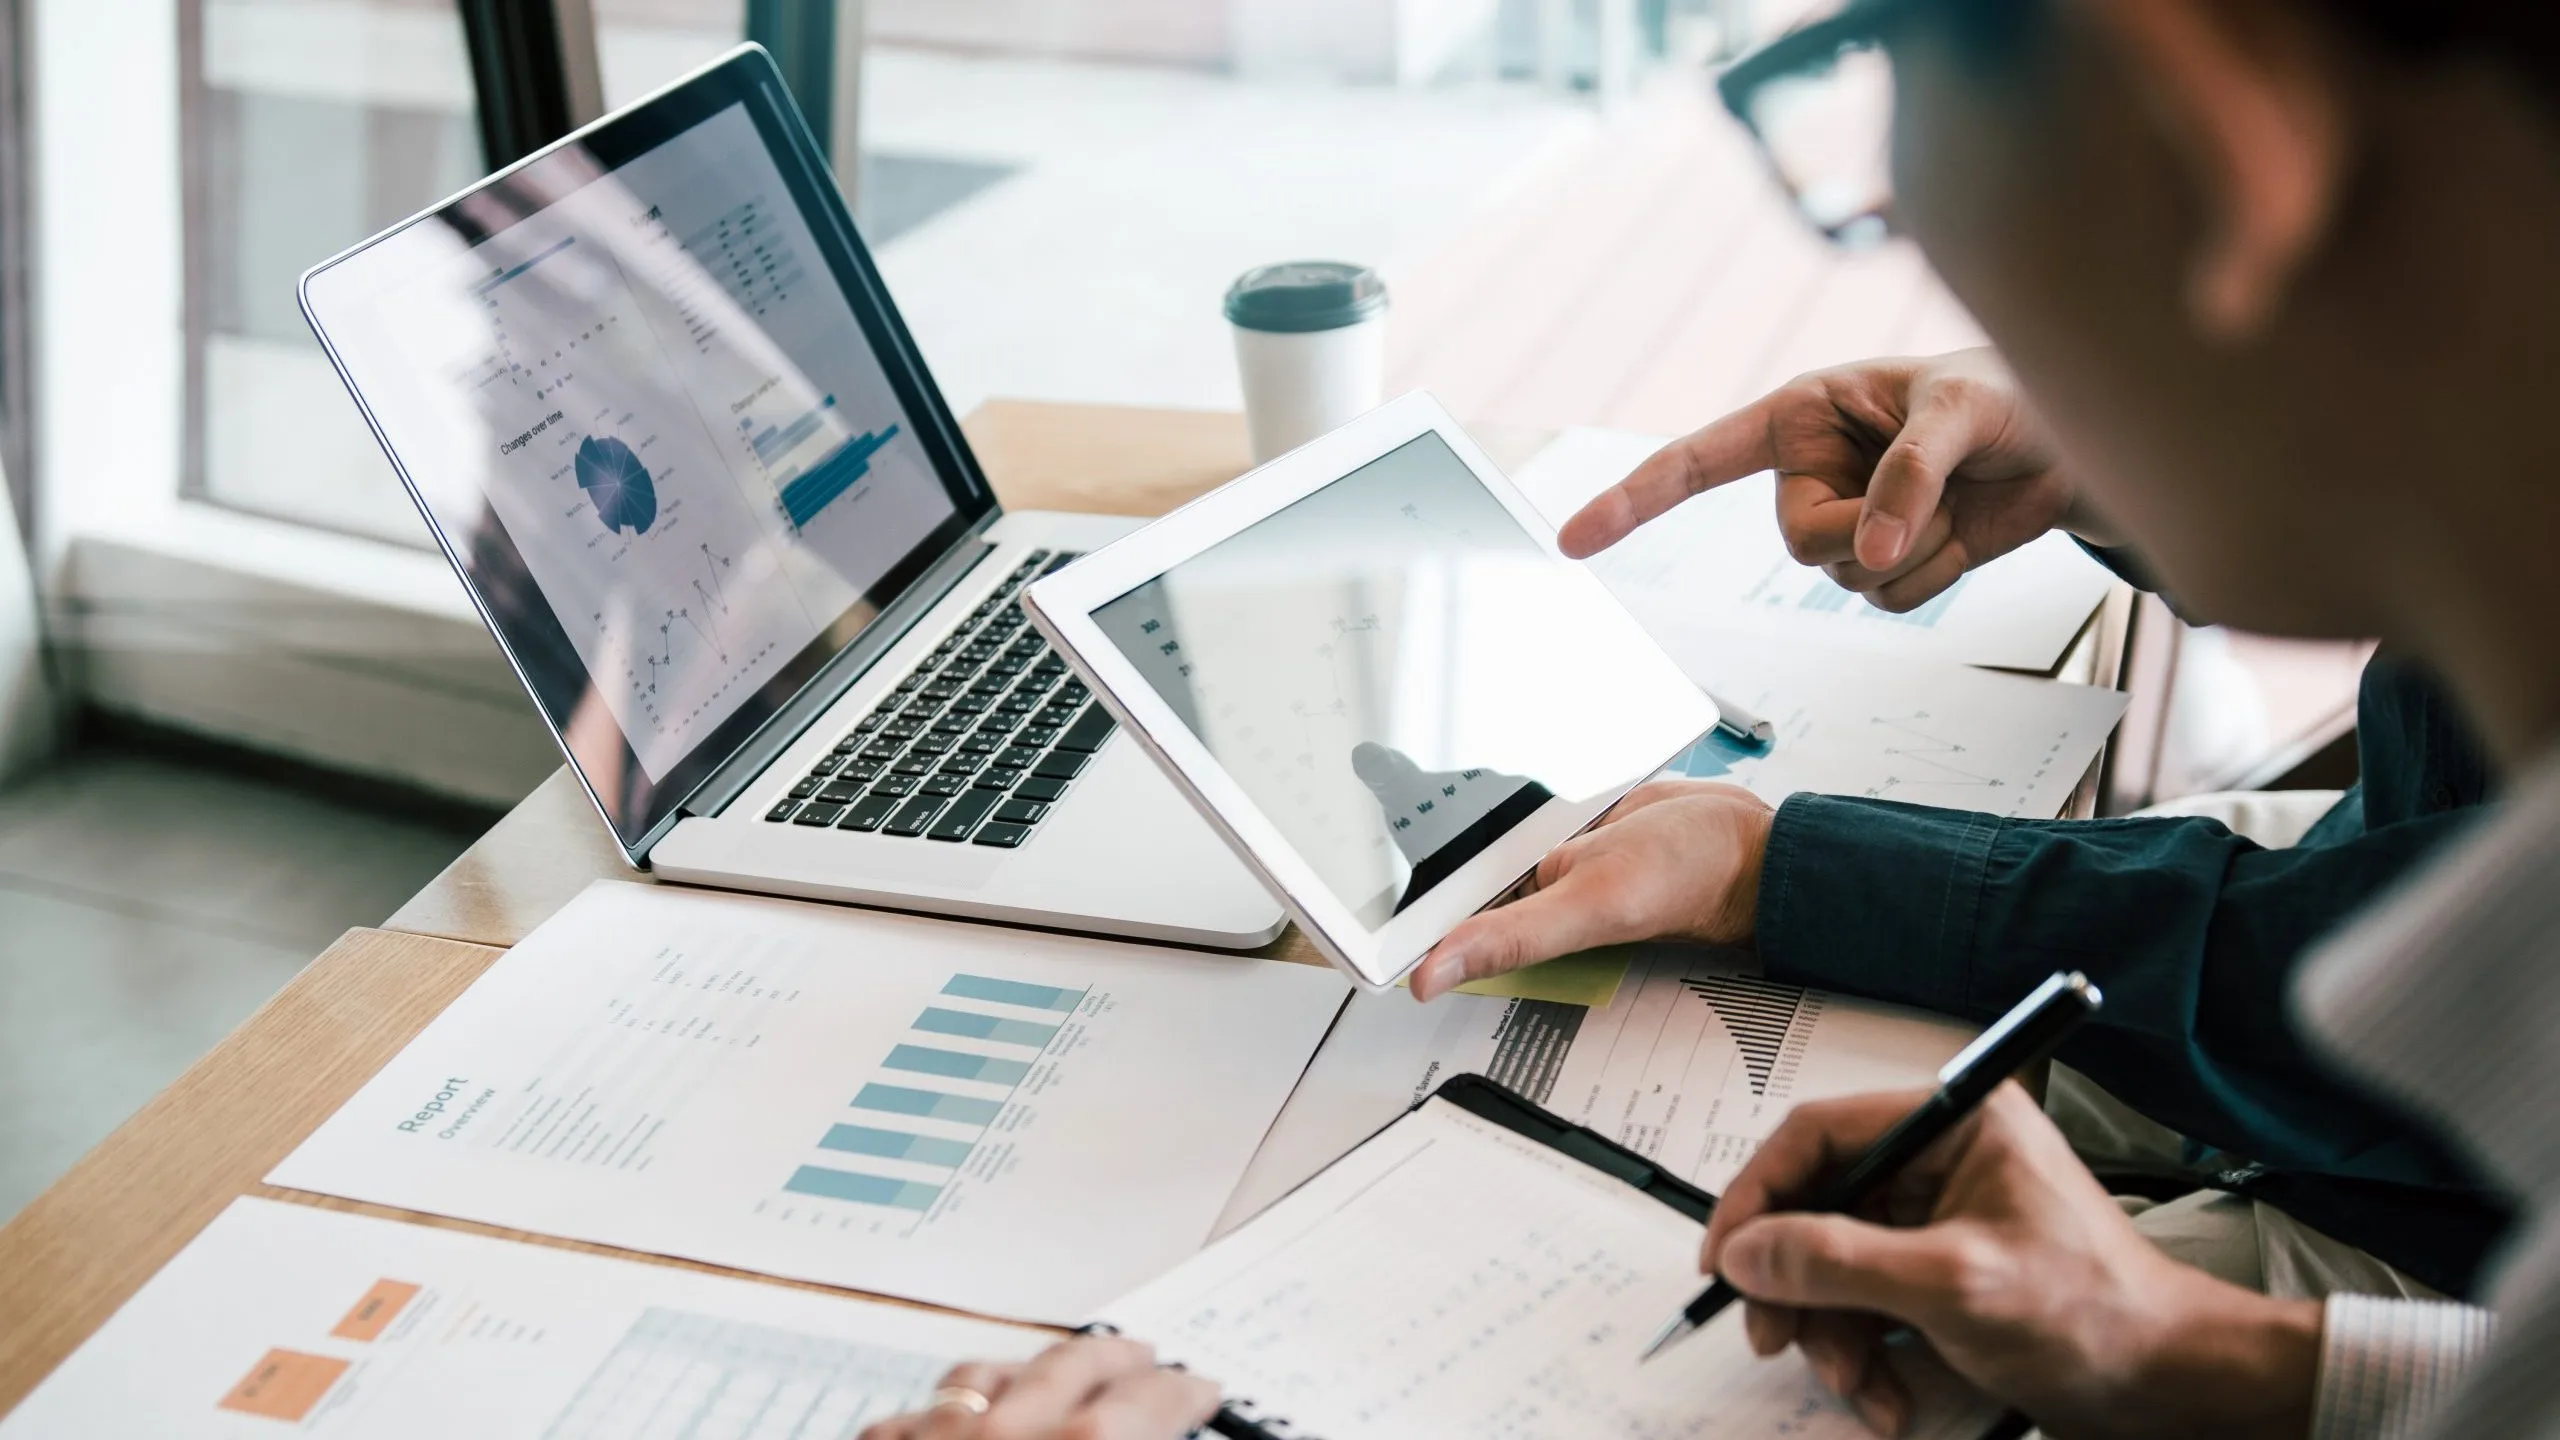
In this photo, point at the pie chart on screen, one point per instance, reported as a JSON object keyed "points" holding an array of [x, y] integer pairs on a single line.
{"points": [[617, 484]]}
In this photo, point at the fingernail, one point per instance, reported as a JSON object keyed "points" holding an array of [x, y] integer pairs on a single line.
{"points": [[1740, 1264], [1437, 974], [1879, 531]]}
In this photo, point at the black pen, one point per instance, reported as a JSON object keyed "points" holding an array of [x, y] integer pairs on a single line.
{"points": [[2025, 1035]]}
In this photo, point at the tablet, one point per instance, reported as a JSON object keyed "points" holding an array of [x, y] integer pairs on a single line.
{"points": [[1369, 666]]}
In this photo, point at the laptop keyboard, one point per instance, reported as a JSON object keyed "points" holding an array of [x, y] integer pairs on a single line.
{"points": [[977, 743]]}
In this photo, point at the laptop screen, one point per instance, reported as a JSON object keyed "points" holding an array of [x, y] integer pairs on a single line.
{"points": [[651, 396]]}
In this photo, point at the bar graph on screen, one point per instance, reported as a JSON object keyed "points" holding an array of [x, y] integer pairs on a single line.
{"points": [[910, 1132]]}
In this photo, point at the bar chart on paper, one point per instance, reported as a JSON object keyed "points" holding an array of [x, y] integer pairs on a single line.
{"points": [[1694, 1062], [908, 1134], [974, 1118]]}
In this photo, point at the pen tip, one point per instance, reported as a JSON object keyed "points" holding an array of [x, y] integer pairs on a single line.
{"points": [[1678, 1327]]}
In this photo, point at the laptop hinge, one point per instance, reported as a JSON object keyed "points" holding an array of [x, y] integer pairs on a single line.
{"points": [[828, 686]]}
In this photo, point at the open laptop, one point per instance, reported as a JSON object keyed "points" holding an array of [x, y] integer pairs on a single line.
{"points": [[653, 400]]}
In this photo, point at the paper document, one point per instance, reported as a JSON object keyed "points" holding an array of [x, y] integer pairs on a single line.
{"points": [[1719, 561], [1894, 729], [1692, 1065], [287, 1318], [992, 1119], [1451, 1278]]}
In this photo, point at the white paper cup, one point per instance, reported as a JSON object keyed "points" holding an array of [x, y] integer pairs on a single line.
{"points": [[1311, 346]]}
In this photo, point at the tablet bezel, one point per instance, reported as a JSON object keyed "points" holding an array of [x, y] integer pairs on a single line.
{"points": [[1062, 606]]}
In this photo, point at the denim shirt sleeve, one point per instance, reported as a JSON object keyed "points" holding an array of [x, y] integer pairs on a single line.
{"points": [[2191, 931]]}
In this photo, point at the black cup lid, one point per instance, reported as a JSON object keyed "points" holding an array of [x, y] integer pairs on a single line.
{"points": [[1304, 295]]}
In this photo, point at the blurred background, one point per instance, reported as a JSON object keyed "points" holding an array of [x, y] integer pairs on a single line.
{"points": [[243, 705]]}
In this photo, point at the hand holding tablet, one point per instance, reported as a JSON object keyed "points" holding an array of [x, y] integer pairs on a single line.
{"points": [[1370, 667]]}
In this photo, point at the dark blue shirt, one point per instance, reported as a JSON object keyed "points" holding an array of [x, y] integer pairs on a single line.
{"points": [[2193, 933]]}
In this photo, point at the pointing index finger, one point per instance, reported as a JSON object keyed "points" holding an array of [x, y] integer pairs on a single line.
{"points": [[1723, 452]]}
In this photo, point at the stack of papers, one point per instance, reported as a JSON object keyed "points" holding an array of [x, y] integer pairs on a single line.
{"points": [[1692, 1064]]}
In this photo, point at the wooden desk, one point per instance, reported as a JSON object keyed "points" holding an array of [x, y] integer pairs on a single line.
{"points": [[85, 1245]]}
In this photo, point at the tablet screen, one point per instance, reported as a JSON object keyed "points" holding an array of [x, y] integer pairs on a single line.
{"points": [[1396, 673]]}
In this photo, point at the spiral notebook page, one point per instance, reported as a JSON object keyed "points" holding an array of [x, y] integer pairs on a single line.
{"points": [[1452, 1278]]}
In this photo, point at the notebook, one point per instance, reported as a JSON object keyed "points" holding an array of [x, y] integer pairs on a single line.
{"points": [[1481, 1268]]}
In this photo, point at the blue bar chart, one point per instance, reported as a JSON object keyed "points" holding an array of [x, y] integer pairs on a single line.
{"points": [[821, 484], [939, 1091]]}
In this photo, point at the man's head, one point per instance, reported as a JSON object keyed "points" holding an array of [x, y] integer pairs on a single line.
{"points": [[2284, 276]]}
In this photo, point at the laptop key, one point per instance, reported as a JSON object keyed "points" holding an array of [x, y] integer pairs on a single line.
{"points": [[826, 765], [963, 764], [1059, 765], [1021, 812], [841, 792], [992, 779], [1040, 788], [868, 812], [1020, 757], [880, 752], [914, 817], [1003, 836], [895, 787], [951, 724], [1036, 737], [1090, 730], [913, 765], [782, 811], [817, 815], [1061, 561], [981, 745], [943, 786], [862, 770], [964, 815], [969, 705], [805, 788], [931, 745]]}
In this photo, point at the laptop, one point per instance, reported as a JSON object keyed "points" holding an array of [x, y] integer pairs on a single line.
{"points": [[655, 404]]}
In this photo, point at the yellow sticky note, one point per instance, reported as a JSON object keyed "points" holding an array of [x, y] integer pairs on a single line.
{"points": [[1589, 978]]}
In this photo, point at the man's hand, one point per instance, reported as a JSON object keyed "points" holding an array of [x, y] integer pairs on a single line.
{"points": [[1676, 859], [1896, 476], [2003, 1251], [1086, 1389]]}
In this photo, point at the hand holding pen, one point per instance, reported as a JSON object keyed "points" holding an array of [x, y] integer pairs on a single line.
{"points": [[2028, 1033], [2013, 1266]]}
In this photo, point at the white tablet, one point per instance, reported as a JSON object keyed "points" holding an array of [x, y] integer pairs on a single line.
{"points": [[1368, 665]]}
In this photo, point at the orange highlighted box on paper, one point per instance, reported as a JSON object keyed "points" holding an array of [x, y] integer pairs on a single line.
{"points": [[374, 1313], [284, 1385]]}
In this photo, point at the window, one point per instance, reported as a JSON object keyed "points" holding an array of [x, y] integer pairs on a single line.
{"points": [[643, 44], [306, 126]]}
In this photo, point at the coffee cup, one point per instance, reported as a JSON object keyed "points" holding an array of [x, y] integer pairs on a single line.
{"points": [[1311, 345]]}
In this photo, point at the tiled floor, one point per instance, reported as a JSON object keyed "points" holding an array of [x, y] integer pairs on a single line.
{"points": [[147, 906]]}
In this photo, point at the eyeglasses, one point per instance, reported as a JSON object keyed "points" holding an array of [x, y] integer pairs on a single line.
{"points": [[1819, 99]]}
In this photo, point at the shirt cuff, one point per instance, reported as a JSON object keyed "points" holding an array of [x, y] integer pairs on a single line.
{"points": [[2386, 1366], [1874, 898]]}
